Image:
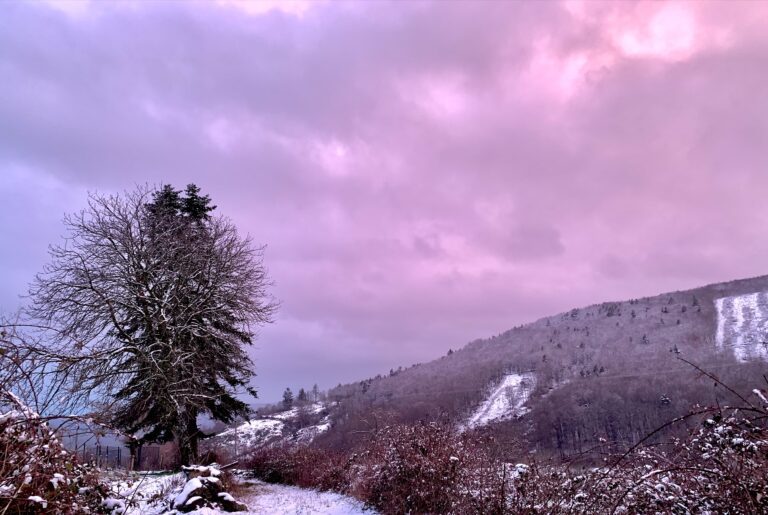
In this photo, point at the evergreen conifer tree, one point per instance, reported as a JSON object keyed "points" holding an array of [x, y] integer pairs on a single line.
{"points": [[287, 398]]}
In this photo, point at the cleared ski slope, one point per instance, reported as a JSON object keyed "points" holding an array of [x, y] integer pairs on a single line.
{"points": [[507, 400], [742, 325]]}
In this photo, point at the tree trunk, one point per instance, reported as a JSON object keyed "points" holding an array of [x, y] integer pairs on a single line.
{"points": [[192, 436], [187, 439], [132, 464], [184, 452]]}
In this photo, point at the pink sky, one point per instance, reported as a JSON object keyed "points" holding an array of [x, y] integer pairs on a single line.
{"points": [[422, 173]]}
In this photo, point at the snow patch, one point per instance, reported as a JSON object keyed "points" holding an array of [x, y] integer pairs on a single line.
{"points": [[272, 428], [309, 433], [292, 413], [114, 506], [742, 325], [39, 500], [255, 432], [507, 400]]}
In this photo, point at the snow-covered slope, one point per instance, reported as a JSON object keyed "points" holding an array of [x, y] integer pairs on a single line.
{"points": [[742, 325], [255, 432], [507, 400], [293, 413], [278, 427]]}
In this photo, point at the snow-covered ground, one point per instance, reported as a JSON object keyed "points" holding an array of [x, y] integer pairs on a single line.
{"points": [[285, 500], [742, 325], [507, 400], [148, 493], [312, 409]]}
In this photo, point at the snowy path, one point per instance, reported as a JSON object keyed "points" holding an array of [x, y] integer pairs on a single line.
{"points": [[505, 401], [267, 498]]}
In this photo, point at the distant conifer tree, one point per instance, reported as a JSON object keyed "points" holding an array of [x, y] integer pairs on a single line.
{"points": [[287, 398]]}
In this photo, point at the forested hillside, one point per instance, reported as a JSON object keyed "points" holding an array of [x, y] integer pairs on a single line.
{"points": [[609, 372]]}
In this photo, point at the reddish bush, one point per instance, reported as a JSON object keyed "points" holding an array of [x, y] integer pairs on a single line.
{"points": [[299, 465], [423, 468], [428, 468]]}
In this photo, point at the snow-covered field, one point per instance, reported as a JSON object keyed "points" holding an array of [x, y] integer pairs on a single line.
{"points": [[507, 400], [742, 325]]}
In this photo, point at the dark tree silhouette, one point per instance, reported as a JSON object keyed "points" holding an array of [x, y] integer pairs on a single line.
{"points": [[287, 398]]}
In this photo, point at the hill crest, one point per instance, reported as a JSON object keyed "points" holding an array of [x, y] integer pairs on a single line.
{"points": [[586, 362]]}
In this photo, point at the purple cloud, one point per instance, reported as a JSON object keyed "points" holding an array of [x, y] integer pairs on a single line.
{"points": [[423, 173]]}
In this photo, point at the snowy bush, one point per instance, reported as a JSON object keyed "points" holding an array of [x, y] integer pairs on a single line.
{"points": [[720, 468], [37, 475]]}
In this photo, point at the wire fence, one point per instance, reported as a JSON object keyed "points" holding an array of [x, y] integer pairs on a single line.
{"points": [[148, 457]]}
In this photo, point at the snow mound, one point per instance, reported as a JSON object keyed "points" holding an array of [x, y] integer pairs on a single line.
{"points": [[183, 496], [742, 325], [506, 401]]}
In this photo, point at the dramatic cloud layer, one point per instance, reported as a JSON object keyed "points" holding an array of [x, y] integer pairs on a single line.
{"points": [[423, 174]]}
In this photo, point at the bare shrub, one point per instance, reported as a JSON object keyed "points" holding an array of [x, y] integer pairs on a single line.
{"points": [[425, 468], [428, 468], [300, 465], [720, 467]]}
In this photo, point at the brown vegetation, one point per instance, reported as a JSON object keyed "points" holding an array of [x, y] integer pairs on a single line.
{"points": [[721, 466]]}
